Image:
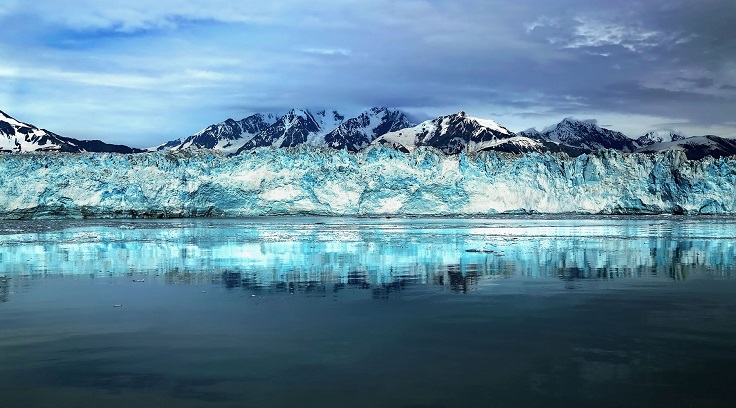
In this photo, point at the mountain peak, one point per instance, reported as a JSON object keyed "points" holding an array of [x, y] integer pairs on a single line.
{"points": [[227, 136], [587, 135], [377, 109], [452, 134], [298, 112], [358, 132], [479, 122], [570, 121], [660, 136]]}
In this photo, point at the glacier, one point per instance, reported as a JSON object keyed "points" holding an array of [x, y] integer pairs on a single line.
{"points": [[378, 181]]}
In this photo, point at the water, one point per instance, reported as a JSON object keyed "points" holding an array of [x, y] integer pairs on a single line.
{"points": [[298, 311]]}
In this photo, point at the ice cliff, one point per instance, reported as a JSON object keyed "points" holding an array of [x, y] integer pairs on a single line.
{"points": [[378, 181]]}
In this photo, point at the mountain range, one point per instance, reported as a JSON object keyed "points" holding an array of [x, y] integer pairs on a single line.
{"points": [[296, 127], [451, 134]]}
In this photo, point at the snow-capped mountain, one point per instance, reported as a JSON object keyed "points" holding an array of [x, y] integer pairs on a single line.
{"points": [[452, 134], [696, 147], [659, 136], [358, 132], [297, 127], [16, 136], [227, 136], [584, 135]]}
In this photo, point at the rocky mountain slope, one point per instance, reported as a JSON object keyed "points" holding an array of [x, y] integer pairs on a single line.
{"points": [[226, 137], [583, 135], [695, 148], [17, 136], [454, 134], [659, 136], [358, 132]]}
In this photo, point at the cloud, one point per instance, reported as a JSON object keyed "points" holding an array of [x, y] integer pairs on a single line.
{"points": [[331, 52], [166, 69], [137, 15], [593, 33]]}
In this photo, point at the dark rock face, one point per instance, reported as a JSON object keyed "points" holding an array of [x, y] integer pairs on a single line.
{"points": [[6, 128]]}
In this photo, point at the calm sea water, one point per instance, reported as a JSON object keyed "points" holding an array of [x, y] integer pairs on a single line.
{"points": [[323, 312]]}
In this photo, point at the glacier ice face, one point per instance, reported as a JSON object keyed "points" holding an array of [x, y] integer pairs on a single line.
{"points": [[377, 181]]}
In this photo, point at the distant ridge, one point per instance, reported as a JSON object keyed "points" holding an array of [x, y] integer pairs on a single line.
{"points": [[584, 135], [17, 136]]}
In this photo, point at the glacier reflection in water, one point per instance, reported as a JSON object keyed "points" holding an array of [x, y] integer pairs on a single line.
{"points": [[305, 254]]}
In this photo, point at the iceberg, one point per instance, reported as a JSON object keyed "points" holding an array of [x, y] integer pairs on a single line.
{"points": [[378, 181]]}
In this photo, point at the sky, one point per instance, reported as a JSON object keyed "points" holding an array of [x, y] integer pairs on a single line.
{"points": [[141, 72]]}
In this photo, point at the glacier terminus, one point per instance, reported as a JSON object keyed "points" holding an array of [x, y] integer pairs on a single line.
{"points": [[377, 181]]}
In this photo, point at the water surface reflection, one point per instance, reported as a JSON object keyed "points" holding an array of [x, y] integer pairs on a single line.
{"points": [[508, 312], [320, 256]]}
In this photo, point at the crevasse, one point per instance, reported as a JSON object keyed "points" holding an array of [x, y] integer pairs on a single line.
{"points": [[378, 181]]}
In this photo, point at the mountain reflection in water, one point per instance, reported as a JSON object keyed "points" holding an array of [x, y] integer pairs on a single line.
{"points": [[298, 311], [320, 256]]}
